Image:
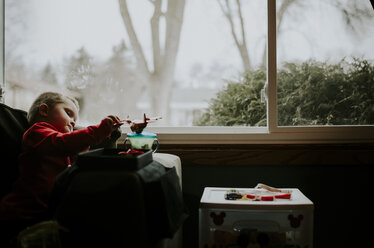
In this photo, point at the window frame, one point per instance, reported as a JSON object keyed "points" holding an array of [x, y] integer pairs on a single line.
{"points": [[2, 46], [272, 134]]}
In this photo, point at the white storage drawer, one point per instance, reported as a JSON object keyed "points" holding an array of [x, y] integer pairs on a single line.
{"points": [[245, 223]]}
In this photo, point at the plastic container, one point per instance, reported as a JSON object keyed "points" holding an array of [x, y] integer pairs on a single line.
{"points": [[142, 141], [279, 222]]}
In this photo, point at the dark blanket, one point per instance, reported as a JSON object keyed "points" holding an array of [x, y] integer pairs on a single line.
{"points": [[119, 206]]}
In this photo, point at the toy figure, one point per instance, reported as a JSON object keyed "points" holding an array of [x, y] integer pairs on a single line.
{"points": [[138, 126]]}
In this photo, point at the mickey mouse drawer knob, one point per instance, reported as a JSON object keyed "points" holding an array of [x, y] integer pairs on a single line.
{"points": [[295, 221]]}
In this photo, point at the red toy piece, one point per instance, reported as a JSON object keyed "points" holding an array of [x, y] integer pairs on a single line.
{"points": [[283, 196], [267, 198], [130, 151]]}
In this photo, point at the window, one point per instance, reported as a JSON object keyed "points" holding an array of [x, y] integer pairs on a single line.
{"points": [[325, 63], [195, 54], [132, 57]]}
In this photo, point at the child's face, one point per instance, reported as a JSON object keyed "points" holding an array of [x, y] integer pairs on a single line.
{"points": [[63, 116]]}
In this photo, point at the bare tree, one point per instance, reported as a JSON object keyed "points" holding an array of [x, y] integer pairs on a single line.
{"points": [[239, 37], [353, 13], [159, 80]]}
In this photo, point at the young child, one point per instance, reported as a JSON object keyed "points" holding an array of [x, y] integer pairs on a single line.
{"points": [[47, 148]]}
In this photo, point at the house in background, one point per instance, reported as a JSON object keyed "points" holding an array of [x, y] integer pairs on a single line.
{"points": [[186, 104], [21, 94]]}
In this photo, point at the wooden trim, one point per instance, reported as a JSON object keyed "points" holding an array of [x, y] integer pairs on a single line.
{"points": [[291, 154]]}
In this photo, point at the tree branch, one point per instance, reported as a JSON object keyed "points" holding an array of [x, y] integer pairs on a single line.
{"points": [[242, 47], [282, 10], [174, 20], [155, 29], [138, 51], [241, 21], [228, 15]]}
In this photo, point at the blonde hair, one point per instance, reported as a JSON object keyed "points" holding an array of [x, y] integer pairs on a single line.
{"points": [[50, 99]]}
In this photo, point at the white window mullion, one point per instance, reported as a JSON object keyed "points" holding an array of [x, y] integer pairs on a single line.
{"points": [[272, 115]]}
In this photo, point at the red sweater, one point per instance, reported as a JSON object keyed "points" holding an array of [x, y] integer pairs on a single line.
{"points": [[45, 153]]}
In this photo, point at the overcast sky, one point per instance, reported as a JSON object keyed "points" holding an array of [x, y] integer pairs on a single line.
{"points": [[57, 28]]}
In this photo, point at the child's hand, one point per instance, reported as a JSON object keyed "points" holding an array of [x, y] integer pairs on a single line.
{"points": [[115, 121]]}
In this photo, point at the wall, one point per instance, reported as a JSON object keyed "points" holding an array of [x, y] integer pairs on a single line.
{"points": [[335, 177]]}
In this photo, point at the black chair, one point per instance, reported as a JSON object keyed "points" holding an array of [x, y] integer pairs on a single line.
{"points": [[13, 123]]}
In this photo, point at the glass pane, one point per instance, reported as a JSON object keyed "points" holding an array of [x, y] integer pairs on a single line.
{"points": [[182, 60], [325, 62]]}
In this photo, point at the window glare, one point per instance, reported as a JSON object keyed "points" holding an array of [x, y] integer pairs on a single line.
{"points": [[195, 63], [86, 48]]}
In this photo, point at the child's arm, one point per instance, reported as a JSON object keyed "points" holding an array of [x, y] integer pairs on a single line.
{"points": [[44, 138]]}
